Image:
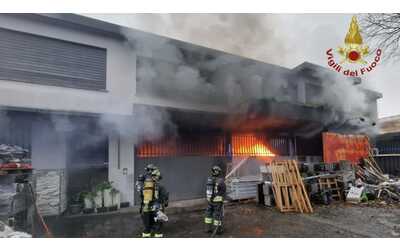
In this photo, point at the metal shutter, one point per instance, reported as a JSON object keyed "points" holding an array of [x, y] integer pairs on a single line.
{"points": [[41, 60]]}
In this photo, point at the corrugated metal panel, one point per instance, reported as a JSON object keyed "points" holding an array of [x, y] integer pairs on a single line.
{"points": [[41, 60], [339, 147], [388, 146], [390, 164], [185, 145], [280, 145]]}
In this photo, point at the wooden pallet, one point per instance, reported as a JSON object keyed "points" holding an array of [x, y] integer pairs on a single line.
{"points": [[330, 183], [288, 187]]}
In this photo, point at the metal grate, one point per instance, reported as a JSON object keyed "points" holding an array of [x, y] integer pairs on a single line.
{"points": [[189, 146]]}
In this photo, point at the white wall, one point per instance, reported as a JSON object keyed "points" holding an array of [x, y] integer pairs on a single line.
{"points": [[121, 163], [121, 79]]}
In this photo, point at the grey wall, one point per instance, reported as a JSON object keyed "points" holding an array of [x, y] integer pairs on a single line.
{"points": [[49, 149], [16, 128], [184, 176]]}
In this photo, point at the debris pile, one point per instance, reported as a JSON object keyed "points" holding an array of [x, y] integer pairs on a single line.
{"points": [[8, 232], [326, 183], [375, 184], [14, 157], [369, 171]]}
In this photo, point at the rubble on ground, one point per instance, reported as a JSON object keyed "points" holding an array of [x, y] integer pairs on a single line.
{"points": [[13, 156], [8, 232]]}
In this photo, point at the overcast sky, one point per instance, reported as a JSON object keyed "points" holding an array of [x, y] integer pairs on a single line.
{"points": [[286, 40]]}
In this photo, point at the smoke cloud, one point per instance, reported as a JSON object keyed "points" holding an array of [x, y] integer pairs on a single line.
{"points": [[167, 71]]}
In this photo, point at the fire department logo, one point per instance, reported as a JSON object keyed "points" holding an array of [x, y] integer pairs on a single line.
{"points": [[354, 49], [354, 52]]}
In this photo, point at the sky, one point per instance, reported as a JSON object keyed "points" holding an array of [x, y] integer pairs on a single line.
{"points": [[284, 39]]}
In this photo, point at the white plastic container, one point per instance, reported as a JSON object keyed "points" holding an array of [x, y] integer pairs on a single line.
{"points": [[98, 199], [88, 203], [116, 199], [107, 197]]}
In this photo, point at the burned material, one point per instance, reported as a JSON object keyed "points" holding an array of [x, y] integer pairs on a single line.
{"points": [[13, 157]]}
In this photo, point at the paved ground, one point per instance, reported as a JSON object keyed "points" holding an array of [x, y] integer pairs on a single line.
{"points": [[246, 220], [250, 220]]}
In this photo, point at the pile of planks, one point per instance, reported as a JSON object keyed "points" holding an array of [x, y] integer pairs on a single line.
{"points": [[372, 176], [288, 187], [369, 171]]}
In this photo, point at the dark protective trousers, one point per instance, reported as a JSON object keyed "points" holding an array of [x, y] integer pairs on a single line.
{"points": [[150, 225], [214, 215]]}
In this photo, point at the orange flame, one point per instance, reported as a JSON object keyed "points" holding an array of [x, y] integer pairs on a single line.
{"points": [[250, 145], [242, 145]]}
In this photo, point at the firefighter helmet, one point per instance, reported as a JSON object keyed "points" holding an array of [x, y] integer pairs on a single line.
{"points": [[149, 168], [156, 174], [216, 171]]}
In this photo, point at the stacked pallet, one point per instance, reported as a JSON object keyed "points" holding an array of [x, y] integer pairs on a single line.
{"points": [[288, 187], [329, 182]]}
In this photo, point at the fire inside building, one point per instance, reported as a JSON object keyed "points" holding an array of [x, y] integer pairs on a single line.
{"points": [[92, 102]]}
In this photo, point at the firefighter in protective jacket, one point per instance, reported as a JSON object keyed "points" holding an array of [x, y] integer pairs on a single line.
{"points": [[215, 196], [154, 200]]}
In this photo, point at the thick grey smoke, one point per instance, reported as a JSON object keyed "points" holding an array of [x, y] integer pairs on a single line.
{"points": [[349, 104], [192, 74], [250, 35], [145, 124], [167, 71]]}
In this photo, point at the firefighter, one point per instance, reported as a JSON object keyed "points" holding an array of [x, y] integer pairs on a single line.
{"points": [[215, 196], [154, 201]]}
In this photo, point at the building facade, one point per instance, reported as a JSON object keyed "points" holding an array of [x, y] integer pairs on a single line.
{"points": [[98, 102]]}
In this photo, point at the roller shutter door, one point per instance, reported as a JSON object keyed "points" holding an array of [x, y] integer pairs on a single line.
{"points": [[41, 60]]}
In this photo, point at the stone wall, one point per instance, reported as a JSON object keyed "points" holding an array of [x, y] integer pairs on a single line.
{"points": [[50, 187]]}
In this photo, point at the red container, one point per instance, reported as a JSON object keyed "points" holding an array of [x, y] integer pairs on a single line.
{"points": [[339, 147]]}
